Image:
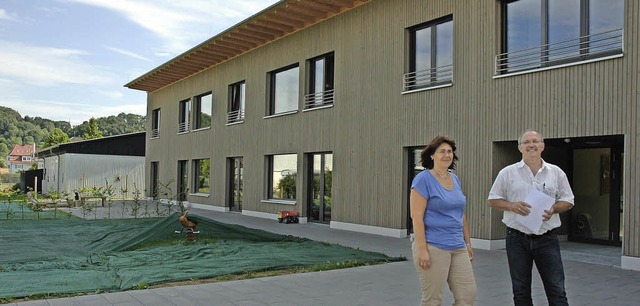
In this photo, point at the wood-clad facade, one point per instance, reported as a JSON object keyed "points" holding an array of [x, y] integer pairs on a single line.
{"points": [[586, 107]]}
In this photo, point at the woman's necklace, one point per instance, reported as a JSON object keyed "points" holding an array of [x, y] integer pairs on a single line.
{"points": [[444, 177]]}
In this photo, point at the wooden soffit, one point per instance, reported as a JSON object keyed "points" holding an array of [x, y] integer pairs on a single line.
{"points": [[277, 21]]}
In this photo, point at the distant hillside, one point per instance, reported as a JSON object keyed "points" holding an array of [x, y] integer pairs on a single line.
{"points": [[14, 129]]}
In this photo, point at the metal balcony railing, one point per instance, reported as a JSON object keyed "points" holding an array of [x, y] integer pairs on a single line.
{"points": [[428, 78], [183, 127], [563, 52], [155, 133], [235, 116], [317, 99]]}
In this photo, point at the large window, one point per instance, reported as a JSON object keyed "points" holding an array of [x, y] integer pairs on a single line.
{"points": [[202, 110], [236, 102], [284, 90], [155, 123], [282, 178], [184, 112], [320, 82], [543, 33], [201, 175], [430, 54]]}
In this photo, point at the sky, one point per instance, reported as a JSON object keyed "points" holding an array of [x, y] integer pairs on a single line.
{"points": [[69, 60]]}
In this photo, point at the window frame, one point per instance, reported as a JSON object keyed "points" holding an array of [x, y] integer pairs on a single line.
{"points": [[325, 97], [272, 86], [270, 184], [197, 111], [155, 123], [184, 115], [583, 43], [435, 72], [196, 177], [237, 99]]}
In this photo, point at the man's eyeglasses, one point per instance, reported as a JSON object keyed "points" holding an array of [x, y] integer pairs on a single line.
{"points": [[528, 142]]}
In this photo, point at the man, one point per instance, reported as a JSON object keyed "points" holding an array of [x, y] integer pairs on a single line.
{"points": [[525, 247]]}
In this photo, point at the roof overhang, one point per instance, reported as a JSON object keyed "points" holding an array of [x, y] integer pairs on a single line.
{"points": [[275, 22]]}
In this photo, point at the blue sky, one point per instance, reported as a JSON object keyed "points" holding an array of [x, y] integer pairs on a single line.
{"points": [[69, 59]]}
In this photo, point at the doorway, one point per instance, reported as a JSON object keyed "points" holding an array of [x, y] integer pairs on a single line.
{"points": [[182, 181], [236, 185], [320, 183], [597, 187], [415, 167]]}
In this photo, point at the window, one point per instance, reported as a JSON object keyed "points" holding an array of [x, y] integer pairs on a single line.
{"points": [[430, 54], [153, 190], [155, 123], [202, 110], [284, 90], [236, 102], [282, 176], [184, 114], [543, 33], [320, 82], [201, 175]]}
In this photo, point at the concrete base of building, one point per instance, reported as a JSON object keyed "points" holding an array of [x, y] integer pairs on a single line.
{"points": [[485, 244], [369, 229], [209, 207], [630, 263]]}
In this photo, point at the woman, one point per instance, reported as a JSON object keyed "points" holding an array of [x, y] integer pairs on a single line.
{"points": [[441, 247]]}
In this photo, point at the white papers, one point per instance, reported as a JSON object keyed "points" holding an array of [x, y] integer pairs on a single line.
{"points": [[539, 202]]}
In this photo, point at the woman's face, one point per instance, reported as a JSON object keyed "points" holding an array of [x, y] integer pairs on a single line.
{"points": [[443, 156]]}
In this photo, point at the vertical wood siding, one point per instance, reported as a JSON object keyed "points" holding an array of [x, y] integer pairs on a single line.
{"points": [[372, 122]]}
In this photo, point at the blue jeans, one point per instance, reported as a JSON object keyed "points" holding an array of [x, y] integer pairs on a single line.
{"points": [[544, 250]]}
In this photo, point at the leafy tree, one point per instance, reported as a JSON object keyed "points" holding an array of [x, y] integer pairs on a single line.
{"points": [[55, 137], [92, 131]]}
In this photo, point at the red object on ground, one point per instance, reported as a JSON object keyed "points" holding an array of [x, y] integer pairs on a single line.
{"points": [[288, 216]]}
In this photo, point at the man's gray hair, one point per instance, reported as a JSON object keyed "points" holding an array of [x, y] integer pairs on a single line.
{"points": [[527, 131]]}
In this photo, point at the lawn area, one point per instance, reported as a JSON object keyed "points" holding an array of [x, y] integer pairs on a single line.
{"points": [[73, 255]]}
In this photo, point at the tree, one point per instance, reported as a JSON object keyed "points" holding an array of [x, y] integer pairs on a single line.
{"points": [[56, 136], [92, 131]]}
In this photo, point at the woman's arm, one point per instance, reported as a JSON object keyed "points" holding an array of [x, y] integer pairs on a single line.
{"points": [[418, 205], [467, 237]]}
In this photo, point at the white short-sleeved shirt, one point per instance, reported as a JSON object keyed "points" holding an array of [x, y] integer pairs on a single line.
{"points": [[514, 183]]}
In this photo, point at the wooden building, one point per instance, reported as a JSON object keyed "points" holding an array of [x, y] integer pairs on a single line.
{"points": [[320, 106]]}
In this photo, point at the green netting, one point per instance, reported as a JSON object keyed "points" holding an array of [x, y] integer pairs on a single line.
{"points": [[76, 255], [21, 211]]}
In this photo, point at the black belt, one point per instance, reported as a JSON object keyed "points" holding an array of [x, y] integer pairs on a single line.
{"points": [[531, 236]]}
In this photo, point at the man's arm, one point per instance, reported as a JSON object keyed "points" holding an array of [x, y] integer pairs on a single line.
{"points": [[557, 208], [520, 208]]}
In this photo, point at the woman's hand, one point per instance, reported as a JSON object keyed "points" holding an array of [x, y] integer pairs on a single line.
{"points": [[423, 259], [470, 251]]}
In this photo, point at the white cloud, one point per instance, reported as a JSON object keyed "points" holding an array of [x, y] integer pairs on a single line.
{"points": [[128, 53], [182, 24], [5, 16], [47, 66]]}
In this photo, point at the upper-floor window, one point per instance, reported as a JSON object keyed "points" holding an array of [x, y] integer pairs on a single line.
{"points": [[430, 54], [201, 175], [542, 33], [184, 113], [202, 110], [236, 102], [155, 123], [26, 158], [282, 179], [320, 90], [284, 90]]}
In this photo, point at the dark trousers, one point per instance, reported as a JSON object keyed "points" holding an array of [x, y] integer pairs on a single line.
{"points": [[522, 251]]}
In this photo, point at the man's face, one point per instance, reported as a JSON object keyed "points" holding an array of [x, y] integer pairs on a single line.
{"points": [[531, 145]]}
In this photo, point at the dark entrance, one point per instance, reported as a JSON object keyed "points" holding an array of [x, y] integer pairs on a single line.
{"points": [[235, 166], [594, 168], [182, 180]]}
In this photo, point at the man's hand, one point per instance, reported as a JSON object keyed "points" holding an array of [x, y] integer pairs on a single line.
{"points": [[521, 208], [548, 213]]}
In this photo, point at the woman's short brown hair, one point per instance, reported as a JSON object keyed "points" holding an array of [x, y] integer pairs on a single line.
{"points": [[430, 149]]}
